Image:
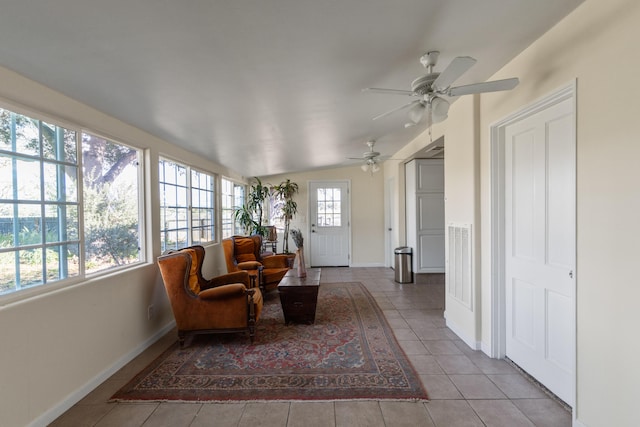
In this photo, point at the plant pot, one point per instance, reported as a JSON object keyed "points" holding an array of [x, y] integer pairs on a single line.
{"points": [[302, 270]]}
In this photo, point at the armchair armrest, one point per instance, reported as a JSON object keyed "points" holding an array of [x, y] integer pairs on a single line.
{"points": [[276, 261], [249, 265], [222, 292], [225, 279]]}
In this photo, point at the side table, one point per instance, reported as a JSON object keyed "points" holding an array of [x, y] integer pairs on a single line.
{"points": [[299, 296]]}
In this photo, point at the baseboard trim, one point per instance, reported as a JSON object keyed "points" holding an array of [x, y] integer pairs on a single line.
{"points": [[475, 345], [64, 405], [367, 264], [486, 349]]}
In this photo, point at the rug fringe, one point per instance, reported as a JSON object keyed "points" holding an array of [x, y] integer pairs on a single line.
{"points": [[408, 399]]}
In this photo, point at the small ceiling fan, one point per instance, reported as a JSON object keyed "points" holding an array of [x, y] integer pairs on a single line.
{"points": [[432, 87], [370, 158]]}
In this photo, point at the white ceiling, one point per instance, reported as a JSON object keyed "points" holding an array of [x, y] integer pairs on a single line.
{"points": [[262, 87]]}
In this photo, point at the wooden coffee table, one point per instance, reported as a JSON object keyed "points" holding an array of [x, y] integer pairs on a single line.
{"points": [[299, 296]]}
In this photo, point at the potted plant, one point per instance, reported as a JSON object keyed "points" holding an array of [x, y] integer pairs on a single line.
{"points": [[250, 214], [285, 192]]}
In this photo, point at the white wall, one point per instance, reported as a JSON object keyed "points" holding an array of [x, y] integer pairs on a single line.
{"points": [[462, 206], [60, 344], [367, 210], [597, 45]]}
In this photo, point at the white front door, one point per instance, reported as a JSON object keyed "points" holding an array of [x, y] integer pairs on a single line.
{"points": [[329, 221], [540, 246]]}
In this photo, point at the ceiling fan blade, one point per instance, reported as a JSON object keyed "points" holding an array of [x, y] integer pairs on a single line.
{"points": [[389, 91], [402, 107], [454, 70], [494, 86]]}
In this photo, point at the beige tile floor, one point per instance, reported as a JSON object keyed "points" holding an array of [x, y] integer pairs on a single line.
{"points": [[466, 387]]}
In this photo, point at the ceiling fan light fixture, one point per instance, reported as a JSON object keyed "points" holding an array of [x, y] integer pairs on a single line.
{"points": [[416, 113], [370, 166], [439, 109]]}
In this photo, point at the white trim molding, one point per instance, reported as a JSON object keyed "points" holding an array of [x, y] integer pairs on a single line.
{"points": [[496, 348]]}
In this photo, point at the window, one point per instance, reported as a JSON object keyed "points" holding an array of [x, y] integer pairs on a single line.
{"points": [[329, 214], [232, 198], [112, 208], [43, 237], [187, 210], [202, 207], [39, 240], [275, 206]]}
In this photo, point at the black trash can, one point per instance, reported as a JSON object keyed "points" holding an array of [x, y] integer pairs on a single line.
{"points": [[404, 264]]}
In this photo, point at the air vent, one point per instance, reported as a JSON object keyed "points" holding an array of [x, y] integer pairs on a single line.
{"points": [[458, 270]]}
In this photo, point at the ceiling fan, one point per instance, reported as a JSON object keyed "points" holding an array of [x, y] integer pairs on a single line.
{"points": [[370, 158], [431, 88]]}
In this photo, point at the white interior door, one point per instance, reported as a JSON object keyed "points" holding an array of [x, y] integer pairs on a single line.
{"points": [[540, 246], [329, 221], [391, 240]]}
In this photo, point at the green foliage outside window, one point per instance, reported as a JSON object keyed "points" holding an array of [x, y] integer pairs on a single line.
{"points": [[39, 203]]}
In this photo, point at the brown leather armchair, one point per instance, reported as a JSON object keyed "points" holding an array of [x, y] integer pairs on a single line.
{"points": [[227, 303], [243, 254]]}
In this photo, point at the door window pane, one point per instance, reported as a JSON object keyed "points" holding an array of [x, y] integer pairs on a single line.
{"points": [[329, 214]]}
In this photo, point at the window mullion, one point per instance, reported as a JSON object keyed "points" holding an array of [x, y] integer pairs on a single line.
{"points": [[43, 210], [189, 207], [16, 211]]}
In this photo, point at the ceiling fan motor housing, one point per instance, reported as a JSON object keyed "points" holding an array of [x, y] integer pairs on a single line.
{"points": [[368, 155], [422, 85]]}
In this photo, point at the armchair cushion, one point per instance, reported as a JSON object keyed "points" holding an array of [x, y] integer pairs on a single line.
{"points": [[245, 250]]}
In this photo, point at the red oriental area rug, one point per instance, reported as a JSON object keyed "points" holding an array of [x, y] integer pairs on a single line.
{"points": [[349, 353]]}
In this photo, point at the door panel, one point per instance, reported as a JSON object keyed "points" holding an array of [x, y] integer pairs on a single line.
{"points": [[329, 219], [540, 246], [523, 313], [431, 253]]}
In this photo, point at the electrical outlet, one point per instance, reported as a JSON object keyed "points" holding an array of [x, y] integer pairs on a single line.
{"points": [[150, 312]]}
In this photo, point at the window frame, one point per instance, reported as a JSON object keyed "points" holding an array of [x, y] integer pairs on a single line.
{"points": [[188, 208], [49, 286], [142, 186]]}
